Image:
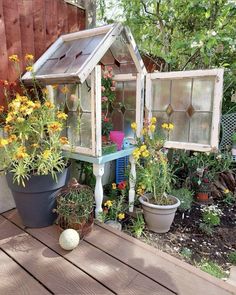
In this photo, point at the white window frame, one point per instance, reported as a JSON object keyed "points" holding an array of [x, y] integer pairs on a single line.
{"points": [[216, 109]]}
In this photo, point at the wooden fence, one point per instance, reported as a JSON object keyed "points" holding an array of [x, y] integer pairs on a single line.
{"points": [[31, 26]]}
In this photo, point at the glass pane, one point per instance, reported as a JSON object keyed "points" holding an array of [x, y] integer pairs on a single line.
{"points": [[130, 95], [108, 58], [160, 94], [59, 97], [180, 94], [85, 130], [120, 51], [128, 68], [73, 132], [200, 128], [181, 127], [202, 96], [117, 120], [129, 117], [119, 94], [85, 95], [72, 96]]}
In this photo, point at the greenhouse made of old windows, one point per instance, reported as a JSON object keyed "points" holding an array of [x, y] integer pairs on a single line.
{"points": [[80, 63]]}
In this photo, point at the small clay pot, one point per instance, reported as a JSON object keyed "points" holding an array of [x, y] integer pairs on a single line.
{"points": [[202, 196]]}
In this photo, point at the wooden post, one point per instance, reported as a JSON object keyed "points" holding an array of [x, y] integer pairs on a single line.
{"points": [[98, 171], [132, 182]]}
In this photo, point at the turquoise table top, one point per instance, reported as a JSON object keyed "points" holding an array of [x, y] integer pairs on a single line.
{"points": [[99, 160]]}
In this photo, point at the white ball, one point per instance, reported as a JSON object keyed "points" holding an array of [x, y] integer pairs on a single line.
{"points": [[69, 239]]}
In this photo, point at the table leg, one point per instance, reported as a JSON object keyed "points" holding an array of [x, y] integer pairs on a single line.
{"points": [[132, 182], [98, 171]]}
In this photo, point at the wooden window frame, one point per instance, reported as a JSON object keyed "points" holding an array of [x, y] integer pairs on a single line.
{"points": [[216, 107]]}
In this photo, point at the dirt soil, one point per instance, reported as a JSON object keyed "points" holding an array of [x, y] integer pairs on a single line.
{"points": [[185, 233]]}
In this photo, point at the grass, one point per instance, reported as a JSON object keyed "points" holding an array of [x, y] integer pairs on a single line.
{"points": [[232, 257], [212, 268]]}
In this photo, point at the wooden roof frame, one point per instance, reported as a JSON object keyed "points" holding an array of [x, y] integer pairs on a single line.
{"points": [[111, 33]]}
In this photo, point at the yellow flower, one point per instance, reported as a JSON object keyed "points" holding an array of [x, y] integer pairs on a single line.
{"points": [[37, 105], [165, 125], [145, 154], [14, 58], [3, 142], [108, 203], [113, 185], [54, 127], [171, 126], [45, 91], [226, 191], [1, 109], [140, 191], [64, 140], [62, 116], [144, 131], [21, 153], [8, 128], [143, 148], [136, 153], [153, 120], [134, 126], [12, 138], [29, 69], [9, 118], [152, 128], [65, 90], [20, 119], [55, 86], [29, 57], [121, 216], [46, 154], [49, 105]]}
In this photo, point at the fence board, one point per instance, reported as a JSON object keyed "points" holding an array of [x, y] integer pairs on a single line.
{"points": [[26, 27], [39, 27], [13, 35], [72, 18], [62, 18], [51, 21]]}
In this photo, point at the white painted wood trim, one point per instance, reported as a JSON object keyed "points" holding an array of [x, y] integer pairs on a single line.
{"points": [[93, 112], [99, 52], [139, 102], [132, 183], [133, 49], [124, 77], [98, 171], [87, 33], [184, 74], [37, 65], [98, 111], [217, 102], [148, 101]]}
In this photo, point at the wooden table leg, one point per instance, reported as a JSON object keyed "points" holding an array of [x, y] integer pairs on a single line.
{"points": [[98, 171], [132, 182]]}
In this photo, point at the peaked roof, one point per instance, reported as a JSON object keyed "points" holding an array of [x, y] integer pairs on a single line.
{"points": [[73, 56]]}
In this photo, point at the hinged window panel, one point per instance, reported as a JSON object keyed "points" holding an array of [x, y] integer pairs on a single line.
{"points": [[191, 100]]}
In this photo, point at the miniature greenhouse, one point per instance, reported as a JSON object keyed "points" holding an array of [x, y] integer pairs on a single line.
{"points": [[191, 100]]}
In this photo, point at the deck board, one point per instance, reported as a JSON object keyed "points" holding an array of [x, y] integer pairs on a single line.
{"points": [[16, 279], [106, 262], [60, 276], [117, 276]]}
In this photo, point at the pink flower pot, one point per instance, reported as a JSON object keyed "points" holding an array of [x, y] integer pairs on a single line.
{"points": [[117, 137]]}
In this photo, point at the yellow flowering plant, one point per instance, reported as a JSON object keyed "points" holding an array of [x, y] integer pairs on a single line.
{"points": [[153, 170], [32, 139]]}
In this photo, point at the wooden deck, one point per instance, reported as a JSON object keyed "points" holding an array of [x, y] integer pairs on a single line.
{"points": [[106, 262]]}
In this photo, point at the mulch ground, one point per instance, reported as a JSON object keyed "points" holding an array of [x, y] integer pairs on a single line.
{"points": [[185, 234]]}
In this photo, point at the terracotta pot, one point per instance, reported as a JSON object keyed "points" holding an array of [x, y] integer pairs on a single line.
{"points": [[158, 217], [104, 138], [202, 196]]}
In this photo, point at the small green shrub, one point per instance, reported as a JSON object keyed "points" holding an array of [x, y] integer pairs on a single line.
{"points": [[185, 196], [232, 257], [138, 225], [211, 218], [212, 268]]}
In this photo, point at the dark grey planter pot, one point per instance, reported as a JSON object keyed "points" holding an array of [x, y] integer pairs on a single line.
{"points": [[35, 202]]}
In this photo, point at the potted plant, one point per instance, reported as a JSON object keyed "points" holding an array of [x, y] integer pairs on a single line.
{"points": [[31, 153], [234, 144], [154, 178], [75, 208], [114, 208]]}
